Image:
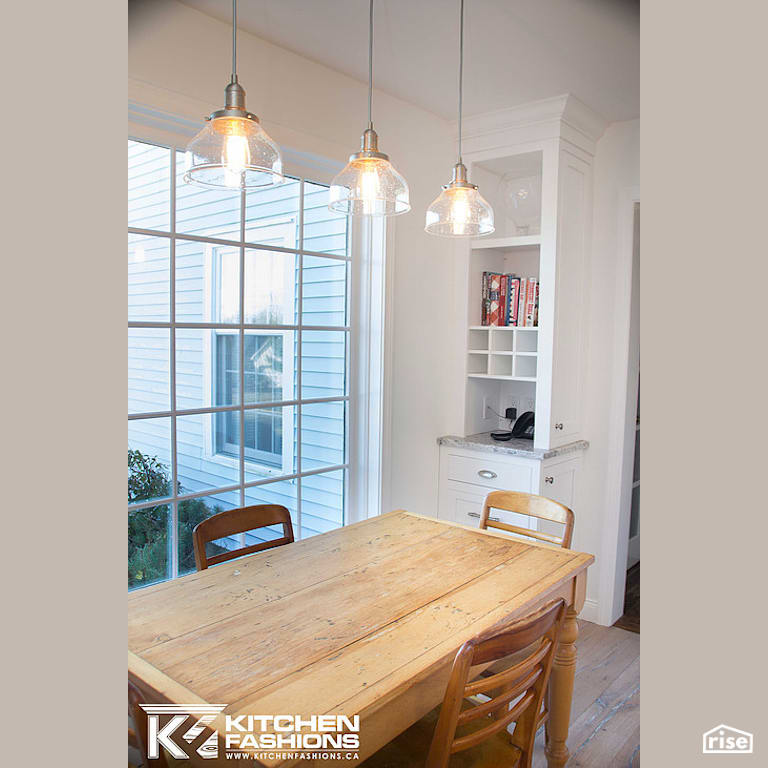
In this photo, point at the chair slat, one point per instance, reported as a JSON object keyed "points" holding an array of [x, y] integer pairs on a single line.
{"points": [[492, 682], [481, 710], [501, 525], [500, 724]]}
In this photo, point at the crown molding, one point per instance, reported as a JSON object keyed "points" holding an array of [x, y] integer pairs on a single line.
{"points": [[562, 116]]}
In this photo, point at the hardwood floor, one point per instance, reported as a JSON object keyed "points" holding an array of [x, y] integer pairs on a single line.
{"points": [[605, 719]]}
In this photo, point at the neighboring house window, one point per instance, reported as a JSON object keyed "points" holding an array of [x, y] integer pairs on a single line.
{"points": [[238, 353], [264, 377]]}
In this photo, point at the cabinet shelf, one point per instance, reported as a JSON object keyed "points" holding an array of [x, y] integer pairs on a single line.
{"points": [[502, 243], [499, 377]]}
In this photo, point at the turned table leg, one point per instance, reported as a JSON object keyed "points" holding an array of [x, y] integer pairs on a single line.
{"points": [[561, 692]]}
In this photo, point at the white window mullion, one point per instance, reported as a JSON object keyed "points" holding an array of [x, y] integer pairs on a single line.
{"points": [[173, 539], [242, 355], [300, 321]]}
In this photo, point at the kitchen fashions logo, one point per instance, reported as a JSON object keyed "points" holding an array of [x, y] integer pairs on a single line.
{"points": [[179, 714], [724, 740], [335, 737]]}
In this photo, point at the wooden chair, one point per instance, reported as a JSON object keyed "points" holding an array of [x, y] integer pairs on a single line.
{"points": [[240, 520], [137, 736], [533, 506], [484, 723]]}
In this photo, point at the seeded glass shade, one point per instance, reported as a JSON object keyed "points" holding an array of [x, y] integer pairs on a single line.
{"points": [[459, 210], [233, 153], [369, 187]]}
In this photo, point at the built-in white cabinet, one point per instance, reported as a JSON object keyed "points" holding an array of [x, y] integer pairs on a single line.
{"points": [[534, 165]]}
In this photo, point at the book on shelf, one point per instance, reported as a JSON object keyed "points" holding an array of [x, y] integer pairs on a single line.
{"points": [[514, 299], [530, 302], [494, 290], [521, 301], [503, 290], [509, 300]]}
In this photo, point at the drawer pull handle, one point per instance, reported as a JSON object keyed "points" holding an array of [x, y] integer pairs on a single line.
{"points": [[487, 474], [549, 480], [477, 514], [559, 425]]}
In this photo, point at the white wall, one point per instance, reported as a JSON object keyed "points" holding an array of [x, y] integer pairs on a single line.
{"points": [[616, 179], [179, 60]]}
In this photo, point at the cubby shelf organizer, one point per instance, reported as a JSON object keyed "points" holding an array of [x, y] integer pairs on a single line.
{"points": [[505, 353]]}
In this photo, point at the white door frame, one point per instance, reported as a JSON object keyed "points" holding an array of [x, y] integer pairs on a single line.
{"points": [[623, 405]]}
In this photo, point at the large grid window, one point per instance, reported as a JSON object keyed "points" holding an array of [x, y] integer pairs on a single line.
{"points": [[238, 358]]}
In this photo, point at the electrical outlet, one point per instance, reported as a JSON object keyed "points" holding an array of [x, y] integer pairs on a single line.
{"points": [[530, 405], [511, 401]]}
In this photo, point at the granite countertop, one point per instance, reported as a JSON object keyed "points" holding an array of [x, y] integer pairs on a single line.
{"points": [[514, 447]]}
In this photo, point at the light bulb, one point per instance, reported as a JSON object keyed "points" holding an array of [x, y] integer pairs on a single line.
{"points": [[235, 154], [369, 189], [460, 211]]}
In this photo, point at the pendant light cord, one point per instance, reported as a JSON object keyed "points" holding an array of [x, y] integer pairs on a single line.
{"points": [[370, 63], [234, 41], [461, 67]]}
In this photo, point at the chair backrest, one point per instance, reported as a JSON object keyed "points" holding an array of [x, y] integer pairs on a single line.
{"points": [[533, 506], [240, 520], [524, 684], [137, 738]]}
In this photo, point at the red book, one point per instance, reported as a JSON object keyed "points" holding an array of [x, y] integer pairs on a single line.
{"points": [[493, 299]]}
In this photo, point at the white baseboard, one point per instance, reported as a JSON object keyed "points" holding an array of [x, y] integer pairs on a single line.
{"points": [[590, 611]]}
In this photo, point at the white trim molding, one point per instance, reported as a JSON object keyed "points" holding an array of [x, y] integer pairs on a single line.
{"points": [[590, 611], [558, 117]]}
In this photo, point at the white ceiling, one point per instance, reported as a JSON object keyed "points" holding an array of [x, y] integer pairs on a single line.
{"points": [[515, 50]]}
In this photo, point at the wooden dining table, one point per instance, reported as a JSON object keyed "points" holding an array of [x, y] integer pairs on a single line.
{"points": [[364, 620]]}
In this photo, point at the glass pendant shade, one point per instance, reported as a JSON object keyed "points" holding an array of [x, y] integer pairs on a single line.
{"points": [[459, 210], [233, 151], [369, 185]]}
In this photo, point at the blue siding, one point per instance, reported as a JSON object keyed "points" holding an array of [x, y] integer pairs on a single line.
{"points": [[323, 361]]}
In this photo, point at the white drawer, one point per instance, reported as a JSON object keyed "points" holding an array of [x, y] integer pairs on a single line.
{"points": [[489, 472], [464, 505]]}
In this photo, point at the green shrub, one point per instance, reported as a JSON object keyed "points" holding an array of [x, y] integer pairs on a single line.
{"points": [[148, 528]]}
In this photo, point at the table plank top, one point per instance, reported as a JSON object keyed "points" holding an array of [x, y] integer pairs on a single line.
{"points": [[336, 623]]}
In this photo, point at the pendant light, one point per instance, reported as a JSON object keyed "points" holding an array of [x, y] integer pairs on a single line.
{"points": [[459, 210], [233, 151], [369, 185]]}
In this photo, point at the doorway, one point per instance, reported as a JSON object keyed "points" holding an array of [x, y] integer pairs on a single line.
{"points": [[630, 618]]}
